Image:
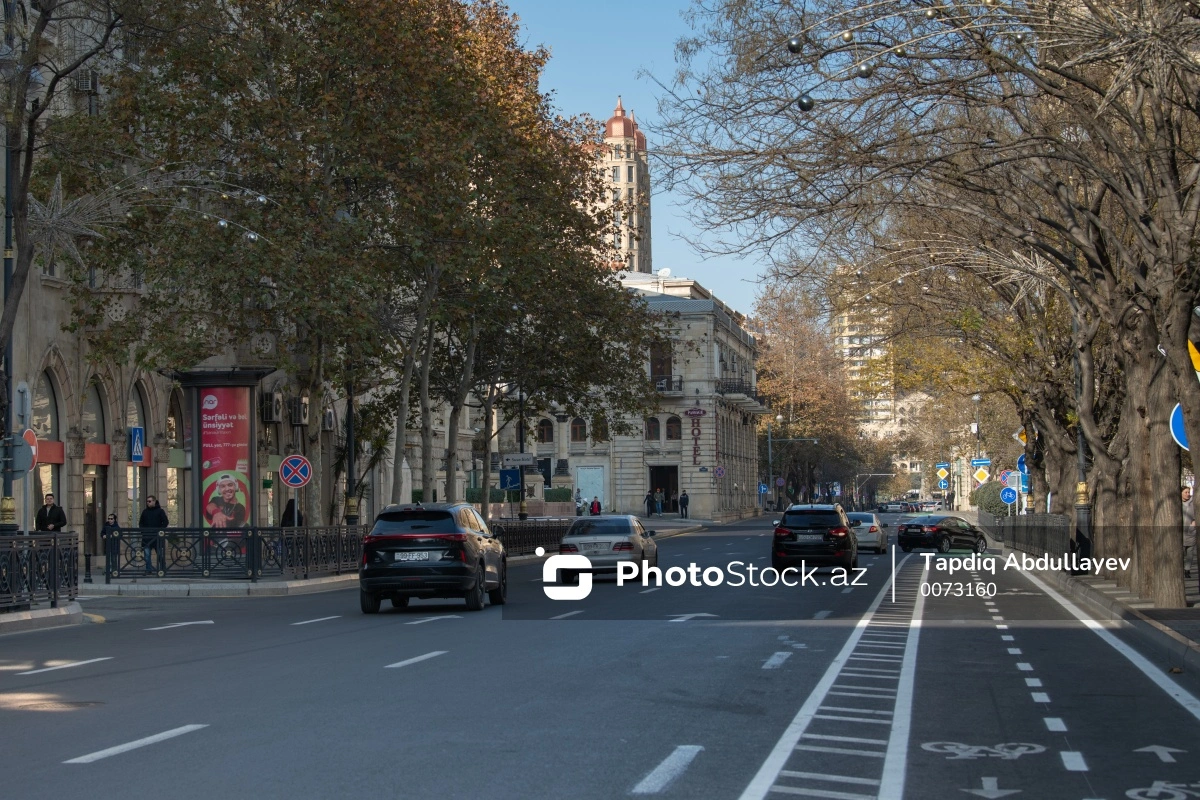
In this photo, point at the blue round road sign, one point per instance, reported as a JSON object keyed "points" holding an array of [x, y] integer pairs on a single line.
{"points": [[1022, 467], [943, 484], [1178, 432], [295, 472], [1008, 495]]}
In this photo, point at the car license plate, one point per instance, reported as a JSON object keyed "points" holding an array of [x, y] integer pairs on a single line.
{"points": [[594, 547], [418, 555], [809, 537]]}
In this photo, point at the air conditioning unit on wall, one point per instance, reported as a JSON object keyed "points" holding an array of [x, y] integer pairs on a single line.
{"points": [[298, 410], [329, 421], [272, 408]]}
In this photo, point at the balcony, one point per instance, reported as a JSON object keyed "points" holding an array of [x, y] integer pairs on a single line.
{"points": [[667, 384], [743, 394]]}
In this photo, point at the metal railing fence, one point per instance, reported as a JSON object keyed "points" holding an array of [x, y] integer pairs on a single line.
{"points": [[522, 537], [38, 568], [1036, 534]]}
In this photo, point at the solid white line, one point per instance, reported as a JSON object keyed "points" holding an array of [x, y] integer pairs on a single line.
{"points": [[764, 779], [1055, 724], [180, 625], [1073, 761], [318, 619], [822, 776], [568, 614], [1173, 690], [124, 748], [65, 666], [1040, 697], [671, 768], [776, 660], [895, 765], [425, 657]]}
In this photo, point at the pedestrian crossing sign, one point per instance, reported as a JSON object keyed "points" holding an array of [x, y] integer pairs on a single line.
{"points": [[137, 445]]}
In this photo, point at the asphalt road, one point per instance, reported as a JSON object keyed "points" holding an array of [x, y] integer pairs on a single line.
{"points": [[823, 690]]}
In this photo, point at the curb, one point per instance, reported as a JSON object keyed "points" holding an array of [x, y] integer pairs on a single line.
{"points": [[17, 621], [1167, 645]]}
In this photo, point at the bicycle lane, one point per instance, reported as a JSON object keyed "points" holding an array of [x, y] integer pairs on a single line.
{"points": [[1013, 694]]}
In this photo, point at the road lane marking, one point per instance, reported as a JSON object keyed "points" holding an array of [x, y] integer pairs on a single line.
{"points": [[851, 739], [1073, 761], [852, 719], [648, 591], [823, 776], [1014, 651], [1033, 683], [1001, 627], [1055, 724], [65, 666], [848, 590], [669, 770], [1024, 666], [431, 619], [1040, 697], [318, 619], [776, 660], [180, 625], [1007, 638], [846, 751], [568, 614], [125, 748], [417, 659], [895, 765], [821, 614], [856, 710], [1155, 674], [998, 619]]}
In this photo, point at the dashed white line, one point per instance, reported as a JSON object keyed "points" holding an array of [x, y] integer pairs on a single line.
{"points": [[1073, 761], [1014, 651], [1040, 697], [180, 625], [568, 614], [124, 748], [1007, 638], [431, 619], [776, 660], [648, 591], [318, 619], [417, 659], [821, 614], [1024, 667], [848, 590], [1055, 724], [65, 666], [669, 770], [1033, 683]]}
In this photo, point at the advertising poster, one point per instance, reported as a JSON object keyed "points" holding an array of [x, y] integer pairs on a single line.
{"points": [[225, 456]]}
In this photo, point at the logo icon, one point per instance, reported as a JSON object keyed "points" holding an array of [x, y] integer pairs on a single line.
{"points": [[210, 402], [550, 575]]}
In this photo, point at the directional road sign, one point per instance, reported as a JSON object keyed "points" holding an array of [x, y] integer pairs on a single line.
{"points": [[942, 473], [510, 480], [1178, 432], [943, 484], [981, 475], [981, 462], [520, 460], [1008, 495], [137, 445], [1022, 465], [762, 488], [295, 471], [1024, 484]]}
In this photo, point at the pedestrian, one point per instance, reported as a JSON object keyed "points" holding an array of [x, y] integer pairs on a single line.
{"points": [[649, 501], [1189, 530], [291, 517], [152, 520], [596, 506], [683, 504], [674, 507], [658, 501], [51, 516], [111, 530]]}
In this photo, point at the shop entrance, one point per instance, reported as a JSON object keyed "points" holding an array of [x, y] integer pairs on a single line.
{"points": [[667, 479], [94, 492]]}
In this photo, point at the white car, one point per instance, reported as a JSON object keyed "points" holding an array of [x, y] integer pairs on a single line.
{"points": [[607, 541], [895, 507], [870, 531]]}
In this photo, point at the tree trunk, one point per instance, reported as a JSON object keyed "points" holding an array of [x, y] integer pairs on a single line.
{"points": [[410, 360], [427, 459], [1164, 528], [314, 500], [456, 406], [489, 403]]}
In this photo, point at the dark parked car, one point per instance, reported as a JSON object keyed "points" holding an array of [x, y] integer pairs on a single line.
{"points": [[940, 531], [814, 535], [436, 550]]}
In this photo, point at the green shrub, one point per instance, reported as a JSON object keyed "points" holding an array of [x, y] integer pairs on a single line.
{"points": [[475, 495], [561, 494], [987, 498]]}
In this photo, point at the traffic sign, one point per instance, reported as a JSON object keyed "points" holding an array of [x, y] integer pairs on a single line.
{"points": [[510, 480], [1003, 476], [137, 445], [1008, 495], [1020, 435], [21, 454], [1013, 479], [1022, 465], [943, 464], [31, 437], [295, 471], [942, 473], [981, 462], [981, 475], [762, 488], [943, 484], [520, 460], [1178, 432], [779, 481], [1024, 484], [719, 472]]}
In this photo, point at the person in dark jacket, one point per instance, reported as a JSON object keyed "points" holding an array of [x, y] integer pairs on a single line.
{"points": [[595, 506], [152, 520], [51, 516], [291, 518], [683, 504], [649, 501]]}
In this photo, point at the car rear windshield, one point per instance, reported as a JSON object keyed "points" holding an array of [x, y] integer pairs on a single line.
{"points": [[599, 527], [863, 517], [811, 519], [415, 521]]}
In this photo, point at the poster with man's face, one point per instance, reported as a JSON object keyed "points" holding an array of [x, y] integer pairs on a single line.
{"points": [[225, 456]]}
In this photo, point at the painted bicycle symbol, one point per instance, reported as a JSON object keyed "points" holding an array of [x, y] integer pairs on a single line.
{"points": [[1163, 790], [1008, 751]]}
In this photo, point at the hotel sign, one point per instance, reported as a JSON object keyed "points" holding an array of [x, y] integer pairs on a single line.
{"points": [[695, 412]]}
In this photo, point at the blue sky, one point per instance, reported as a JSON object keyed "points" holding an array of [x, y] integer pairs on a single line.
{"points": [[597, 51]]}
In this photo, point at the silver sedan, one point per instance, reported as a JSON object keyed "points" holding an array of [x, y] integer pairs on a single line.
{"points": [[609, 540], [871, 532]]}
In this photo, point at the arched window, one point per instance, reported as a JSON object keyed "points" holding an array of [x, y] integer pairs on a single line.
{"points": [[545, 432], [652, 431], [578, 430], [135, 411], [44, 419], [674, 429], [93, 416]]}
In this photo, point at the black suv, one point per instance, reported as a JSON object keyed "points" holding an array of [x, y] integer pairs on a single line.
{"points": [[436, 550], [814, 535]]}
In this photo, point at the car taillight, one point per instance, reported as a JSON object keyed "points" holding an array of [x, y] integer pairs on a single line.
{"points": [[623, 546], [782, 533], [928, 528], [839, 532], [873, 529], [568, 548]]}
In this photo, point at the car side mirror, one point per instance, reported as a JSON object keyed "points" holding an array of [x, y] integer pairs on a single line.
{"points": [[775, 523], [650, 533]]}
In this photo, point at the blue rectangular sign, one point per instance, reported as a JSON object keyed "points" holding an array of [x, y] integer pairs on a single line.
{"points": [[943, 465], [1025, 483], [510, 480], [981, 462], [137, 445]]}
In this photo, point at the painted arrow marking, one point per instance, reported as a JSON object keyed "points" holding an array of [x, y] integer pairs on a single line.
{"points": [[686, 617], [180, 625], [431, 619], [1163, 753], [991, 789]]}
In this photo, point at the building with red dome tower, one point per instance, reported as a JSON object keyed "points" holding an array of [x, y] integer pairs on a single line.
{"points": [[626, 166]]}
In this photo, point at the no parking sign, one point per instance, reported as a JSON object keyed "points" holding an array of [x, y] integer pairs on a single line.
{"points": [[295, 472]]}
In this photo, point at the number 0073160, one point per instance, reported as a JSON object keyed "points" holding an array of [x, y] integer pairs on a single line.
{"points": [[956, 589]]}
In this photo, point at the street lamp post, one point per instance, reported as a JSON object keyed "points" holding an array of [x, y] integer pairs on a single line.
{"points": [[975, 399], [868, 476], [523, 512], [8, 505], [771, 464], [351, 480]]}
